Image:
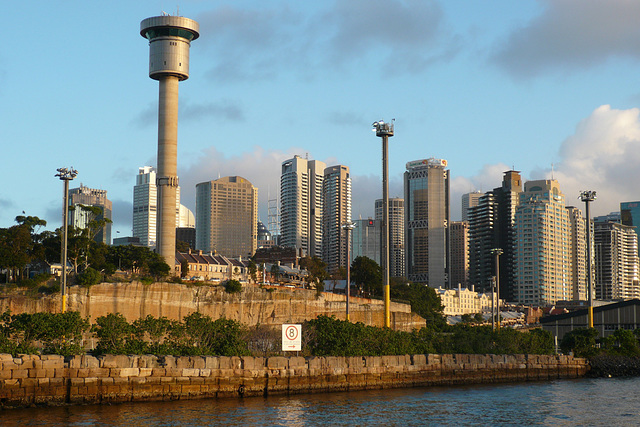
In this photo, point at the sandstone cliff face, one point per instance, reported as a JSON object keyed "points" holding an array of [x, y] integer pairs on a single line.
{"points": [[253, 306]]}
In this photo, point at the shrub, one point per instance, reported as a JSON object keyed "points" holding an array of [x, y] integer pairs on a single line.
{"points": [[581, 341], [233, 287], [89, 277]]}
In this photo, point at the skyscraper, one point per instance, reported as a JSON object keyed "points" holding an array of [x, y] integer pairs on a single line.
{"points": [[227, 216], [145, 205], [426, 196], [630, 215], [169, 40], [469, 200], [542, 249], [459, 231], [301, 205], [366, 239], [80, 218], [491, 226], [336, 194], [578, 253], [396, 235], [145, 208], [616, 261]]}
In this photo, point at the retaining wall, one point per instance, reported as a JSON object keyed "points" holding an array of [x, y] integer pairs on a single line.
{"points": [[56, 380]]}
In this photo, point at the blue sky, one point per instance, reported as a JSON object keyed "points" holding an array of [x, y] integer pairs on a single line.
{"points": [[486, 85]]}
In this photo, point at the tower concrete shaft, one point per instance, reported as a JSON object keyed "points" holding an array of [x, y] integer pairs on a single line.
{"points": [[169, 41]]}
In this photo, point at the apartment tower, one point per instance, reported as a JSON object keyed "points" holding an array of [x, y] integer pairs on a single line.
{"points": [[396, 235], [336, 194], [301, 205], [542, 249]]}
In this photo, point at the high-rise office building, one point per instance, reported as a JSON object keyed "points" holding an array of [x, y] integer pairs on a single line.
{"points": [[227, 217], [145, 208], [367, 239], [630, 215], [542, 249], [459, 231], [336, 194], [80, 218], [469, 200], [145, 205], [426, 197], [396, 235], [491, 226], [616, 261], [578, 254], [301, 205]]}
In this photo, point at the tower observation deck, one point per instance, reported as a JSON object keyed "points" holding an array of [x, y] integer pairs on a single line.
{"points": [[169, 41]]}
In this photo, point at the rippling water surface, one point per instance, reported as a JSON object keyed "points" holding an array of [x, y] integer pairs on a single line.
{"points": [[588, 402]]}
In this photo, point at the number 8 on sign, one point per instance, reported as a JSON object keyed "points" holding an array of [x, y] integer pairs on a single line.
{"points": [[291, 337]]}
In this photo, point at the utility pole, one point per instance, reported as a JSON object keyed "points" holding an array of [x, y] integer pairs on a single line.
{"points": [[65, 176], [348, 227], [385, 130], [586, 197], [497, 252]]}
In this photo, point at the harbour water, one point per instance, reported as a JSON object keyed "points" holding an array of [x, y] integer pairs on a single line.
{"points": [[585, 402]]}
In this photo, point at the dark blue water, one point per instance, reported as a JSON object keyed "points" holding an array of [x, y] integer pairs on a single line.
{"points": [[585, 402]]}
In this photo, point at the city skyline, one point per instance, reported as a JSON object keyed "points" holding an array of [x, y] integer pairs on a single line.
{"points": [[489, 91]]}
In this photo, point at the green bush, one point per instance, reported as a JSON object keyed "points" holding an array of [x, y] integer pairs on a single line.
{"points": [[89, 277], [582, 342], [233, 287], [57, 333]]}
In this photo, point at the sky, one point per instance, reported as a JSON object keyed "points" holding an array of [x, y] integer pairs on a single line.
{"points": [[549, 88]]}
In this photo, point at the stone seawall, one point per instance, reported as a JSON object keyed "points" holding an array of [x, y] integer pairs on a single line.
{"points": [[56, 380], [254, 305]]}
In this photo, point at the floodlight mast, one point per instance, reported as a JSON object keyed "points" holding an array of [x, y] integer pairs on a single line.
{"points": [[384, 131], [587, 197], [65, 176]]}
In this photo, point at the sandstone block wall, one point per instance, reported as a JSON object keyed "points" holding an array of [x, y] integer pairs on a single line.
{"points": [[253, 306], [56, 380]]}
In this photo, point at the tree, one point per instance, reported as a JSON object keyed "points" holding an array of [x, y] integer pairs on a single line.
{"points": [[424, 302], [20, 244], [581, 341], [233, 287], [316, 268], [367, 273]]}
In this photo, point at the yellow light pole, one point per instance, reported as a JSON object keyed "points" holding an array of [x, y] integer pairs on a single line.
{"points": [[497, 252], [586, 197]]}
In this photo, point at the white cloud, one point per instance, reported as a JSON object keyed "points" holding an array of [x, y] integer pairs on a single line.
{"points": [[602, 155]]}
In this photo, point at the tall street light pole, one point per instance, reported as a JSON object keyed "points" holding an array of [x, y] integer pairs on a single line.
{"points": [[385, 130], [65, 176], [586, 197], [348, 227], [497, 252]]}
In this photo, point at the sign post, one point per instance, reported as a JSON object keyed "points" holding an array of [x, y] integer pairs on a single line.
{"points": [[291, 337]]}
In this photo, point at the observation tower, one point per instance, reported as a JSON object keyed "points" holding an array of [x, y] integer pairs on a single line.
{"points": [[169, 41]]}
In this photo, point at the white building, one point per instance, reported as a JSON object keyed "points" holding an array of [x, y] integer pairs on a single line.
{"points": [[301, 205], [336, 193], [145, 207], [543, 261], [461, 301]]}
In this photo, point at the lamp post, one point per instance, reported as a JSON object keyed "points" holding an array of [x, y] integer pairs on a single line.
{"points": [[348, 227], [65, 176], [497, 252], [586, 197], [385, 130]]}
